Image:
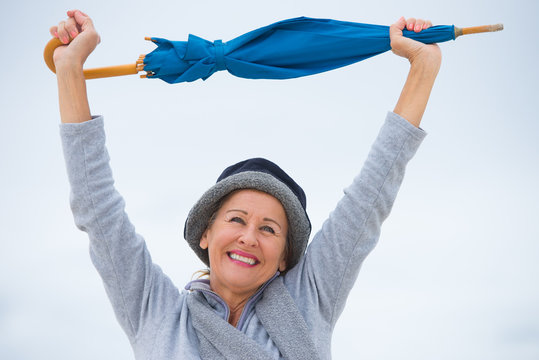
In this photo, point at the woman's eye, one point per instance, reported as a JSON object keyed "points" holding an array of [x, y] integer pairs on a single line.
{"points": [[237, 220], [268, 229]]}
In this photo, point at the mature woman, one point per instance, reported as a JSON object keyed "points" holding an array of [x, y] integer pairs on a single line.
{"points": [[267, 296]]}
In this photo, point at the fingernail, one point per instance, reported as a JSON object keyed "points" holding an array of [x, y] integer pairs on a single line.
{"points": [[73, 34], [417, 28], [55, 34], [65, 40]]}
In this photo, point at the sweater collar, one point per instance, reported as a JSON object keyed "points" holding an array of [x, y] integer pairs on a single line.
{"points": [[219, 305]]}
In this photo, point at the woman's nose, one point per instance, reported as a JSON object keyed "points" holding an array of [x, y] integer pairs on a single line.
{"points": [[248, 237]]}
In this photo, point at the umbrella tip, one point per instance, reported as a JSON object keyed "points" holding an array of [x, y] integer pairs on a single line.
{"points": [[477, 29]]}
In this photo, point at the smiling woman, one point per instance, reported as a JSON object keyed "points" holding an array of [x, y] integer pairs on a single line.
{"points": [[268, 296], [246, 246]]}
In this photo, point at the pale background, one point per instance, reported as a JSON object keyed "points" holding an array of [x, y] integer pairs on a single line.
{"points": [[455, 275]]}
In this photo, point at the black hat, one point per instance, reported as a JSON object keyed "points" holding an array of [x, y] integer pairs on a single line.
{"points": [[259, 174]]}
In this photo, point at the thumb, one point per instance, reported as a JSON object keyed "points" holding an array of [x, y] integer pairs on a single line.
{"points": [[397, 27], [399, 24], [81, 19]]}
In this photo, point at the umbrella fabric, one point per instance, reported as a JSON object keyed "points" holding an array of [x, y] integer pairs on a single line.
{"points": [[283, 50]]}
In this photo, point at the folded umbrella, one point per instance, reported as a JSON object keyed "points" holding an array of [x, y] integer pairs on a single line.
{"points": [[283, 50]]}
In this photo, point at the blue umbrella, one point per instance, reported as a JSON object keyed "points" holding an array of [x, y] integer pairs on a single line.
{"points": [[283, 50]]}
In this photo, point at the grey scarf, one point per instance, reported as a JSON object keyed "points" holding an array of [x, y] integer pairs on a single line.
{"points": [[278, 313]]}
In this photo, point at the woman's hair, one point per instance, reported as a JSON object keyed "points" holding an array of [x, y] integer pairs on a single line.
{"points": [[204, 273]]}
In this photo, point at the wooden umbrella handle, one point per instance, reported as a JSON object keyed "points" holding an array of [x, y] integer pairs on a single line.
{"points": [[96, 73], [477, 29]]}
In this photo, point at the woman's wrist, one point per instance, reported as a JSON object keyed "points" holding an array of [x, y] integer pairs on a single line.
{"points": [[416, 92], [424, 72], [427, 60], [68, 67]]}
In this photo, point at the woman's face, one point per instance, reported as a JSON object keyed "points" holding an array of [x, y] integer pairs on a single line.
{"points": [[246, 242]]}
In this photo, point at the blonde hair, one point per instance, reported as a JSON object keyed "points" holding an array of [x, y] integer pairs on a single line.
{"points": [[201, 274]]}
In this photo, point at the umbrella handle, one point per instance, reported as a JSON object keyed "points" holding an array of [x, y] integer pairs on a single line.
{"points": [[477, 29], [108, 71]]}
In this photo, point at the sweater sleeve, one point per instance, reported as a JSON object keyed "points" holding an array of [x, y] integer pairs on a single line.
{"points": [[321, 282], [137, 289]]}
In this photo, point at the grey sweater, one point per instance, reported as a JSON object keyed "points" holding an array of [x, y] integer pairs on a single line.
{"points": [[153, 312]]}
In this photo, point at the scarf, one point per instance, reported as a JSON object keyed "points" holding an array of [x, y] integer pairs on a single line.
{"points": [[278, 314]]}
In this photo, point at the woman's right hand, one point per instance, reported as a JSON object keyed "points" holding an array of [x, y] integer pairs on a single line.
{"points": [[78, 34]]}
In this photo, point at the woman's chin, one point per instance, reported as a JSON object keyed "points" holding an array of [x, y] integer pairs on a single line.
{"points": [[241, 279]]}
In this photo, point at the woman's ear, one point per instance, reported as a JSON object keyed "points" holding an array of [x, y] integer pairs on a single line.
{"points": [[282, 264], [204, 240]]}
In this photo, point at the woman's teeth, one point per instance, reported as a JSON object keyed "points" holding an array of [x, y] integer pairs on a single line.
{"points": [[243, 259]]}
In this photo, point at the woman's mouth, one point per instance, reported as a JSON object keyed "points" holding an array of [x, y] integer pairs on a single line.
{"points": [[242, 259]]}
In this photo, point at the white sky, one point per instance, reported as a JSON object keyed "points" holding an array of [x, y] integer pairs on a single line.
{"points": [[455, 273]]}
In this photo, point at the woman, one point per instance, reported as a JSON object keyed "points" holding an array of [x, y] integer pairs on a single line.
{"points": [[266, 297]]}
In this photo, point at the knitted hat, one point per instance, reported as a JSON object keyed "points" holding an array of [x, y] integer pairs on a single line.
{"points": [[259, 174]]}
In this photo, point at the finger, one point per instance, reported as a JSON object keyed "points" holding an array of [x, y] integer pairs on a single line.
{"points": [[71, 27], [54, 31], [410, 23], [82, 20], [427, 24], [79, 16], [71, 13], [62, 33], [419, 25]]}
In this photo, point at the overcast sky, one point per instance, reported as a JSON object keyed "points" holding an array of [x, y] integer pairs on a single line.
{"points": [[456, 271]]}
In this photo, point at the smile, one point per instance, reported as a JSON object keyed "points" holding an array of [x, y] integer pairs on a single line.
{"points": [[242, 259]]}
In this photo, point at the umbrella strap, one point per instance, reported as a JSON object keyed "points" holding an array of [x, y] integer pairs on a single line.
{"points": [[219, 55]]}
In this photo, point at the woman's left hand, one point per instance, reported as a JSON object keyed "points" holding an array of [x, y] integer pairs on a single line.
{"points": [[412, 50], [425, 63]]}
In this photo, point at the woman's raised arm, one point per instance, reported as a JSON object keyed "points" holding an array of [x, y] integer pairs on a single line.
{"points": [[81, 38], [323, 279], [425, 62]]}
